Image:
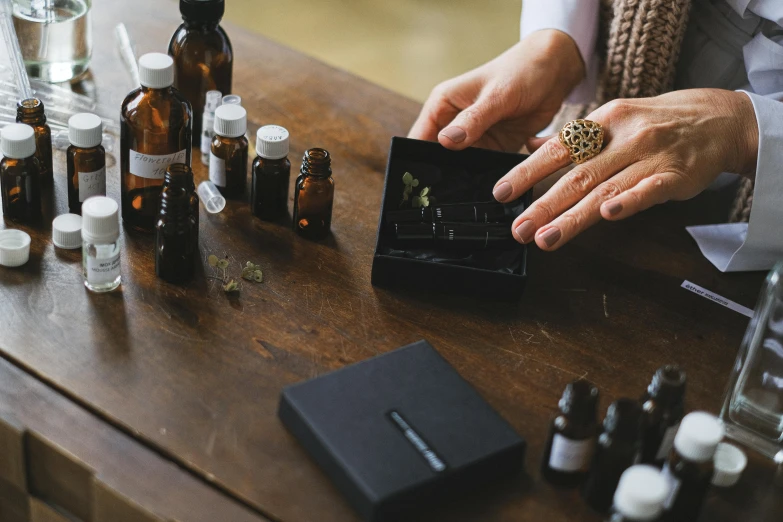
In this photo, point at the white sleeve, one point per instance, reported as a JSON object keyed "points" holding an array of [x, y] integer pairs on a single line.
{"points": [[579, 20]]}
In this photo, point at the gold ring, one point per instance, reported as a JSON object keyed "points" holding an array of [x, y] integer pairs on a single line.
{"points": [[583, 139]]}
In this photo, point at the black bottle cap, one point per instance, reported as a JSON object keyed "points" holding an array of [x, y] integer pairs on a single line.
{"points": [[202, 10], [668, 384], [624, 419], [580, 401]]}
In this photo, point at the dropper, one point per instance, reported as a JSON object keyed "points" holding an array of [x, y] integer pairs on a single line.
{"points": [[12, 44]]}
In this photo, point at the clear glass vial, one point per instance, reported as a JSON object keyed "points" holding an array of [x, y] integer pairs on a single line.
{"points": [[664, 406], [640, 495], [31, 112], [86, 160], [20, 179], [100, 244], [314, 196], [271, 174], [228, 157]]}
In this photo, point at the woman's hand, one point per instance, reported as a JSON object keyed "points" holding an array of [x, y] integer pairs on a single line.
{"points": [[504, 102], [670, 147]]}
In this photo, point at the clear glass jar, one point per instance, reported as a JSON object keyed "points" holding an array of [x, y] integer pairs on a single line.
{"points": [[101, 265]]}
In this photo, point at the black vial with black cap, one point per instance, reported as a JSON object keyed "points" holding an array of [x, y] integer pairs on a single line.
{"points": [[664, 407]]}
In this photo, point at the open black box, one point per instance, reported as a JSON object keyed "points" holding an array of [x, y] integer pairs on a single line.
{"points": [[455, 177]]}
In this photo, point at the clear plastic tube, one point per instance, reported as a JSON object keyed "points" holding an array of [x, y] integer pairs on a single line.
{"points": [[209, 194], [127, 52]]}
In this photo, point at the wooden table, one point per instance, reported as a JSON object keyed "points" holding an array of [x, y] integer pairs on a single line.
{"points": [[189, 376]]}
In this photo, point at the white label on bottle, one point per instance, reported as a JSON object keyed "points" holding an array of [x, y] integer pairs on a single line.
{"points": [[151, 166], [206, 142], [674, 486], [666, 442], [217, 170], [92, 184], [570, 455], [101, 271]]}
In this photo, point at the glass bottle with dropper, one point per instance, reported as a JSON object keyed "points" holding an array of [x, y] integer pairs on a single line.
{"points": [[20, 175], [31, 112], [208, 124], [228, 159], [101, 244], [640, 495], [664, 406], [271, 174], [86, 160], [314, 196]]}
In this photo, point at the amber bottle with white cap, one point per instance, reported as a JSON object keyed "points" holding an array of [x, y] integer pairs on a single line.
{"points": [[690, 467], [20, 173], [228, 158], [100, 244], [271, 174], [640, 495], [155, 124], [86, 160]]}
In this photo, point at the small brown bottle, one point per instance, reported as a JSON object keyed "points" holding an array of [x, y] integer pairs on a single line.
{"points": [[20, 174], [690, 467], [228, 158], [664, 406], [619, 447], [31, 112], [86, 160], [571, 440], [202, 55], [271, 174], [314, 196], [155, 132], [640, 495], [176, 238]]}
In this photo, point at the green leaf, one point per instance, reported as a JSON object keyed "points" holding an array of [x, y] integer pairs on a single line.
{"points": [[231, 286], [223, 263], [258, 276], [212, 260], [247, 273], [407, 178], [425, 201], [425, 191], [249, 264], [415, 183]]}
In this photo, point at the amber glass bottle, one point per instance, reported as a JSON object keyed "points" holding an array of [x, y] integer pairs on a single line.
{"points": [[31, 112], [664, 406], [271, 174], [176, 238], [86, 160], [619, 447], [314, 196], [571, 440], [228, 158], [202, 55], [20, 175], [156, 132], [180, 175]]}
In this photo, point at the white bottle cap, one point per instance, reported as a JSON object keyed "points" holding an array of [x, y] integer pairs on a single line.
{"points": [[17, 141], [230, 121], [641, 493], [698, 436], [232, 99], [67, 231], [212, 101], [272, 142], [730, 462], [85, 130], [100, 220], [14, 247], [156, 70]]}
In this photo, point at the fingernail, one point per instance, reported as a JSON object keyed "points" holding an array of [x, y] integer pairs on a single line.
{"points": [[551, 236], [525, 230], [503, 191], [455, 134], [614, 208]]}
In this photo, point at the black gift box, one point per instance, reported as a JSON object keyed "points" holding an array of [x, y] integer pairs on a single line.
{"points": [[401, 432], [455, 177]]}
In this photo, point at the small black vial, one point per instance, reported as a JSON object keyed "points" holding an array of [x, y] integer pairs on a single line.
{"points": [[176, 244], [664, 406], [271, 174]]}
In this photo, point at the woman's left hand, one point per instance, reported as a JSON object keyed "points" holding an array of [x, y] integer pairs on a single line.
{"points": [[670, 147]]}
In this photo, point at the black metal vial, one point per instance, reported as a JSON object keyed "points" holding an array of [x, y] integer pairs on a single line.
{"points": [[619, 447], [640, 495], [20, 175], [664, 406], [690, 467], [271, 174], [571, 440], [176, 243], [314, 195]]}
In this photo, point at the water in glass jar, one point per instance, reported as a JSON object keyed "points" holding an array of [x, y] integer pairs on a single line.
{"points": [[55, 37]]}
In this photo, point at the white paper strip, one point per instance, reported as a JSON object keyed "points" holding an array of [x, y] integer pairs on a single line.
{"points": [[696, 289]]}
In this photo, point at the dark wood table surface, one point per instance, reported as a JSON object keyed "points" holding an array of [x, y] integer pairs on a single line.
{"points": [[195, 376]]}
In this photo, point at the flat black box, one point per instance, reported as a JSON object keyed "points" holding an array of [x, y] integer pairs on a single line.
{"points": [[401, 432], [456, 177]]}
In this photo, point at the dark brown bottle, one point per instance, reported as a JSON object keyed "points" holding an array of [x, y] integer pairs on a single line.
{"points": [[271, 174], [314, 196], [664, 406], [689, 467], [180, 174], [20, 175], [202, 55], [228, 157], [155, 132], [176, 234], [619, 447], [86, 160], [31, 112], [571, 440]]}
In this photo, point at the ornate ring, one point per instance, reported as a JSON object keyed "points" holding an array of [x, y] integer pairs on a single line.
{"points": [[582, 138]]}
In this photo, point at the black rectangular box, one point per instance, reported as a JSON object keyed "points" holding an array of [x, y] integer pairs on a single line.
{"points": [[455, 177], [401, 432]]}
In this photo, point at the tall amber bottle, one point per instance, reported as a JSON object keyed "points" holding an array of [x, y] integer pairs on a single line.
{"points": [[155, 132], [314, 195], [20, 175], [271, 174], [202, 55], [31, 112], [664, 406], [86, 160], [228, 157], [176, 233]]}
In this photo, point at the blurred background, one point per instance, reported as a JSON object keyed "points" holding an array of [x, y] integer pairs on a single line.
{"points": [[407, 46]]}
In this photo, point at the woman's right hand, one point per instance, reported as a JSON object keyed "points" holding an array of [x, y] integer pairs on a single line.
{"points": [[505, 101]]}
